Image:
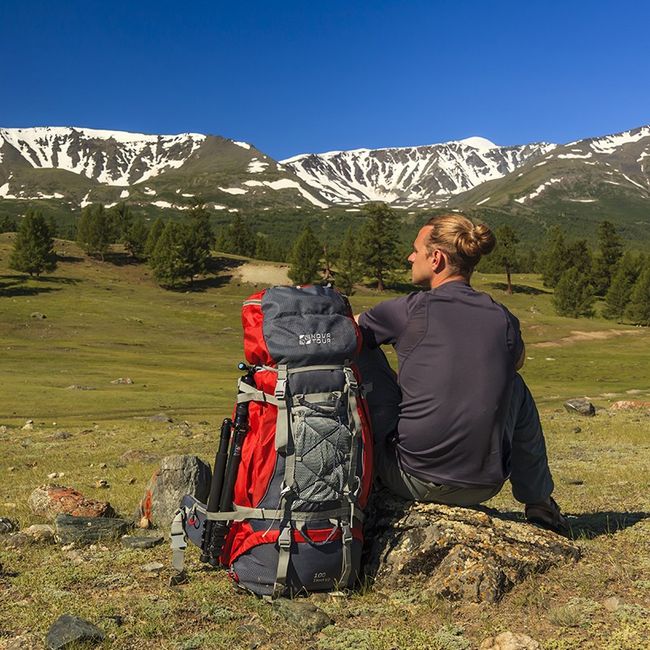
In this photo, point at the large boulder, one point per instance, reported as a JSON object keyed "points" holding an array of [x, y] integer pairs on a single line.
{"points": [[176, 477], [48, 501], [456, 553]]}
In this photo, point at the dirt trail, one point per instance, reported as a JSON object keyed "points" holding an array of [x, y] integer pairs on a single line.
{"points": [[578, 336], [263, 274]]}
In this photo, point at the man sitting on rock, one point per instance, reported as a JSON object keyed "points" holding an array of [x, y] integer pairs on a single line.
{"points": [[459, 419]]}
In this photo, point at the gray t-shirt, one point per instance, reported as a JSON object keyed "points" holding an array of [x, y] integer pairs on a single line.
{"points": [[457, 350]]}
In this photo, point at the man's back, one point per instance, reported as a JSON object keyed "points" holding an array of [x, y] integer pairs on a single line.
{"points": [[457, 351]]}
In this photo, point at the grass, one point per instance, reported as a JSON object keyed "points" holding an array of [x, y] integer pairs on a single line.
{"points": [[107, 320]]}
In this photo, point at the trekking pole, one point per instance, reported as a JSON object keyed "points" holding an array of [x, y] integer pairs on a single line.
{"points": [[207, 546], [219, 529]]}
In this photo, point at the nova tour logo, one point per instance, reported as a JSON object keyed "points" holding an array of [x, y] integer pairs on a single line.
{"points": [[319, 338]]}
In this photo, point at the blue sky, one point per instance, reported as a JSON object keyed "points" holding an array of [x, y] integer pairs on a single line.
{"points": [[307, 76]]}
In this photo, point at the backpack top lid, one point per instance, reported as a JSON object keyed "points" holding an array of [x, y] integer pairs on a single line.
{"points": [[299, 326]]}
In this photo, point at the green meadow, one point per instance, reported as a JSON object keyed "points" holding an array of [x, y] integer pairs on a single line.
{"points": [[109, 320]]}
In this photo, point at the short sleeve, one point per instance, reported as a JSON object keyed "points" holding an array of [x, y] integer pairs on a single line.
{"points": [[513, 335], [386, 321]]}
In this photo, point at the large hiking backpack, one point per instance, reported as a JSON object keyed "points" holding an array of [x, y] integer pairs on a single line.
{"points": [[295, 520]]}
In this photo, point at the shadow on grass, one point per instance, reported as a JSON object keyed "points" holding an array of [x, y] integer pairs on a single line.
{"points": [[588, 525], [519, 288], [12, 286]]}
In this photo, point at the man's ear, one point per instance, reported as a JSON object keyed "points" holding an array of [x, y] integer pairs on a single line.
{"points": [[438, 261]]}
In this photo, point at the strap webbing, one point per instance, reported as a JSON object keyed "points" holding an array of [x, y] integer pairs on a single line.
{"points": [[284, 544], [242, 512], [178, 540], [248, 393], [282, 422]]}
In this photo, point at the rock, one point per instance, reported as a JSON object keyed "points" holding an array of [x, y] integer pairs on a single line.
{"points": [[28, 426], [138, 456], [88, 530], [456, 553], [176, 477], [123, 380], [40, 533], [510, 641], [3, 428], [612, 603], [77, 387], [144, 523], [38, 315], [152, 567], [70, 631], [54, 475], [8, 525], [303, 614], [160, 417], [61, 435], [18, 540], [102, 484], [141, 541], [50, 500], [629, 405], [580, 405], [576, 430]]}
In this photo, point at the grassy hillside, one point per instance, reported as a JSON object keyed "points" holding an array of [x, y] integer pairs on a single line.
{"points": [[108, 320]]}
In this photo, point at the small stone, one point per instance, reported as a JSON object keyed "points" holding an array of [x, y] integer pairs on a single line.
{"points": [[303, 614], [132, 481], [123, 380], [138, 456], [612, 603], [61, 435], [29, 426], [577, 430], [102, 484], [11, 469], [141, 541], [3, 428], [580, 405], [41, 533], [38, 315], [8, 525], [152, 567], [54, 475], [23, 642], [510, 641], [103, 465], [18, 540], [70, 631], [630, 405], [144, 523], [160, 417], [78, 387], [575, 481]]}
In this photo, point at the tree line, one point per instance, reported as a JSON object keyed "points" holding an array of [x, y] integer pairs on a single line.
{"points": [[179, 250]]}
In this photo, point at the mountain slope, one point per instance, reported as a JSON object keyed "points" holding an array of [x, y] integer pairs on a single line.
{"points": [[410, 176]]}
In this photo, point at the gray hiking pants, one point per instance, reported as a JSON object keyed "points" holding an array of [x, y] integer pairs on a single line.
{"points": [[530, 476]]}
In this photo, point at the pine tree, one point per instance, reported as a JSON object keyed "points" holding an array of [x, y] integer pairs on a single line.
{"points": [[152, 238], [349, 268], [579, 256], [553, 259], [620, 289], [610, 251], [33, 250], [638, 309], [574, 294], [135, 238], [378, 242], [168, 261], [305, 257], [197, 239], [505, 253], [95, 230], [239, 238], [262, 247], [8, 224]]}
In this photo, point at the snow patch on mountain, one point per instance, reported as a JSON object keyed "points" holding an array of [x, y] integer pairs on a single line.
{"points": [[109, 157], [610, 143], [535, 193]]}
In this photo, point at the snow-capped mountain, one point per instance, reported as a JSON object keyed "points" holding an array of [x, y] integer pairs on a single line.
{"points": [[410, 176], [109, 157]]}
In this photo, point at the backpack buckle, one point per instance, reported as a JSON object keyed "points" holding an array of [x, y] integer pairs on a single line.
{"points": [[284, 540]]}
